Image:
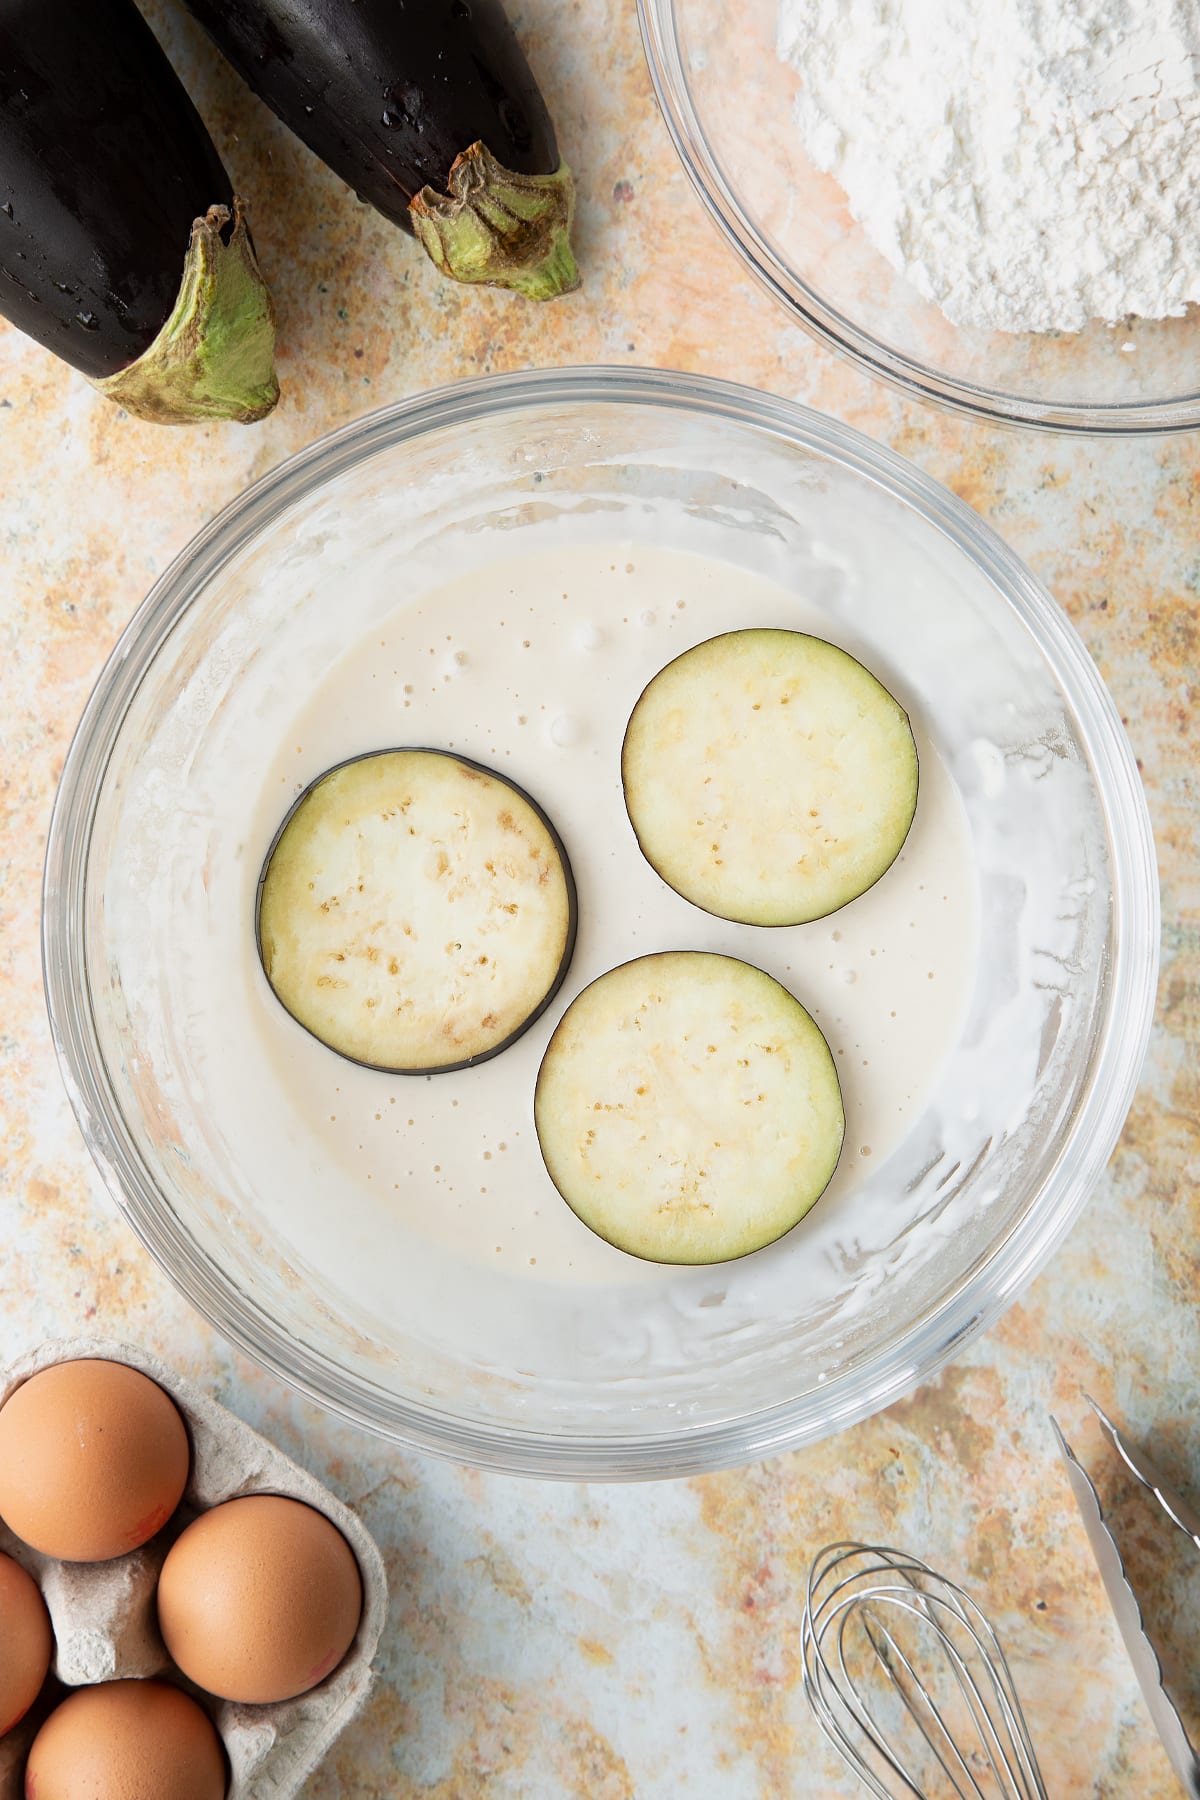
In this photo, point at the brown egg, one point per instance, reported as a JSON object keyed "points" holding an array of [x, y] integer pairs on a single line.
{"points": [[26, 1642], [93, 1460], [126, 1740], [259, 1599]]}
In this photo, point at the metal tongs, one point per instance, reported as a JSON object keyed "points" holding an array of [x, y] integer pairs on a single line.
{"points": [[1123, 1599]]}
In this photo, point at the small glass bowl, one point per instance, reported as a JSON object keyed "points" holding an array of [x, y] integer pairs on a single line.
{"points": [[728, 102], [163, 817]]}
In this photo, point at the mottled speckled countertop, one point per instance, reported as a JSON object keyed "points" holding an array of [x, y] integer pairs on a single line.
{"points": [[546, 1640]]}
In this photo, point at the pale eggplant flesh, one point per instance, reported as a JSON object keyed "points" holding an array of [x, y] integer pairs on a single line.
{"points": [[688, 1108], [416, 911], [769, 777]]}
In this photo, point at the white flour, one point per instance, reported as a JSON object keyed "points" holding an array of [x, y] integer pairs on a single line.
{"points": [[1027, 164]]}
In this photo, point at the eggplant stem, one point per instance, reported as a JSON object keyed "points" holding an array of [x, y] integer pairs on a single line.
{"points": [[214, 357], [500, 228]]}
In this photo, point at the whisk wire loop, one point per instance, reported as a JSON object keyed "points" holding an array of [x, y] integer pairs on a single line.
{"points": [[880, 1628], [920, 1709]]}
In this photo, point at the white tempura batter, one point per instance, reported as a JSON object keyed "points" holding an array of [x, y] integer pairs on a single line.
{"points": [[532, 666]]}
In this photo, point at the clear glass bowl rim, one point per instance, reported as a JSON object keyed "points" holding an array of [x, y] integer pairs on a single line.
{"points": [[660, 40], [918, 1350]]}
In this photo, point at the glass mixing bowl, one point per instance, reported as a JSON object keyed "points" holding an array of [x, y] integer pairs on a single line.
{"points": [[627, 1369], [728, 102]]}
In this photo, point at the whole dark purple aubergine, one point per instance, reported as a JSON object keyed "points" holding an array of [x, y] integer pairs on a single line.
{"points": [[122, 247], [429, 110]]}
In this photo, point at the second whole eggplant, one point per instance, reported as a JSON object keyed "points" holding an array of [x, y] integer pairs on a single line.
{"points": [[122, 246], [429, 110]]}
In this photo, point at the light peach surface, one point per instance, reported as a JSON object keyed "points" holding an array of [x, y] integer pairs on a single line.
{"points": [[610, 1642]]}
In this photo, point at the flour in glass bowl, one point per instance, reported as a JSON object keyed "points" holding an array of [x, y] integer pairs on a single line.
{"points": [[1029, 165]]}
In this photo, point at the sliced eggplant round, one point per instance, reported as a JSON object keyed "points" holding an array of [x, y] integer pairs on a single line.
{"points": [[416, 911], [770, 779], [688, 1108]]}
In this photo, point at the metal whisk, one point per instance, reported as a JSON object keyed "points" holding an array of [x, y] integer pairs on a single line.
{"points": [[907, 1678]]}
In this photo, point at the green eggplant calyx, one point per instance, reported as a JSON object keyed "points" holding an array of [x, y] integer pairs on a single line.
{"points": [[500, 228], [215, 356]]}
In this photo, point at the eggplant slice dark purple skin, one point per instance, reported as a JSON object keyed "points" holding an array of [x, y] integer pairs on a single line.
{"points": [[274, 906], [431, 113], [122, 247]]}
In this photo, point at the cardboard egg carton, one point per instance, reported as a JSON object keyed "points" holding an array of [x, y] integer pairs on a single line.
{"points": [[105, 1615]]}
